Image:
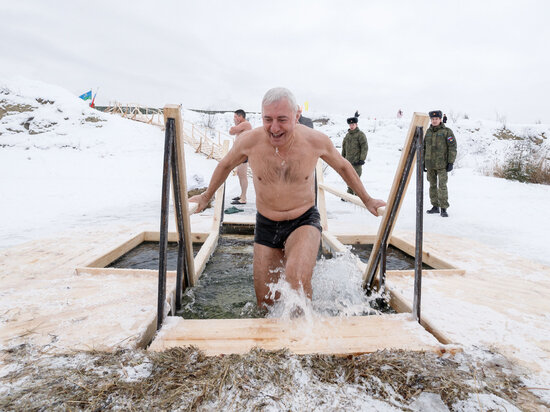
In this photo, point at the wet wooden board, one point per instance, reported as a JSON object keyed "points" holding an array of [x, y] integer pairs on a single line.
{"points": [[45, 302], [511, 290], [351, 335]]}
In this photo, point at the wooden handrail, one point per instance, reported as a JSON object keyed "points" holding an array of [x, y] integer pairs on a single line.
{"points": [[349, 197]]}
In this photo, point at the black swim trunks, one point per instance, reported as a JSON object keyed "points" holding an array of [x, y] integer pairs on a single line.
{"points": [[274, 233]]}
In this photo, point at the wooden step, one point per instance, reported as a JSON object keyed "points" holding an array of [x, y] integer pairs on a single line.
{"points": [[336, 335]]}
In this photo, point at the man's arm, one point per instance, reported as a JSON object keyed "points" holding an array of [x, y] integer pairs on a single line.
{"points": [[451, 147], [232, 159], [364, 147], [348, 173], [241, 127], [344, 147]]}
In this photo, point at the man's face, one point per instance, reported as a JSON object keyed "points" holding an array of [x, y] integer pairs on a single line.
{"points": [[279, 121], [238, 119], [435, 121], [353, 126]]}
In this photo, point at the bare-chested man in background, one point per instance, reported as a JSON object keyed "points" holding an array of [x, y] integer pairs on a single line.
{"points": [[282, 155], [241, 125]]}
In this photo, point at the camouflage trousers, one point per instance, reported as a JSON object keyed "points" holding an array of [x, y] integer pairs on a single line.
{"points": [[439, 196], [359, 170]]}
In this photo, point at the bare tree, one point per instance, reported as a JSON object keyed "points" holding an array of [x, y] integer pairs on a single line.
{"points": [[501, 118]]}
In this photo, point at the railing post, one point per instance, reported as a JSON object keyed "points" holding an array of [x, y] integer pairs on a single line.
{"points": [[164, 213], [392, 215], [419, 222], [382, 276], [182, 273]]}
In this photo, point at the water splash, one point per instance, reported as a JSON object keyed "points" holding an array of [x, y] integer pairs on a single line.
{"points": [[337, 291]]}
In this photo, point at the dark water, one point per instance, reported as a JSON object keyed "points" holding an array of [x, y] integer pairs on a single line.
{"points": [[146, 256], [226, 287], [396, 259]]}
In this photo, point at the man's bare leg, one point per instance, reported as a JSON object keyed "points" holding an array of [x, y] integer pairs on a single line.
{"points": [[242, 170], [301, 250], [266, 260]]}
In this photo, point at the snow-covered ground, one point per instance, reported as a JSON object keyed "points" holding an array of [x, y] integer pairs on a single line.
{"points": [[65, 166]]}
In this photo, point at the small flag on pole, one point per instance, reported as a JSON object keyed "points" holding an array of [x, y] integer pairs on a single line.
{"points": [[92, 104], [86, 96]]}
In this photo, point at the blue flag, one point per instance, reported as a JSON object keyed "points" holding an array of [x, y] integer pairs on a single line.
{"points": [[86, 96]]}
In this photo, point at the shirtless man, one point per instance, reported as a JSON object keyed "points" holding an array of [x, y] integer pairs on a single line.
{"points": [[282, 155], [241, 125]]}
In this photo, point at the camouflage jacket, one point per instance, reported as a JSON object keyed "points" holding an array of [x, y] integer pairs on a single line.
{"points": [[439, 147], [355, 146]]}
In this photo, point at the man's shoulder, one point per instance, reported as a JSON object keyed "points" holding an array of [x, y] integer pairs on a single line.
{"points": [[312, 135], [448, 131]]}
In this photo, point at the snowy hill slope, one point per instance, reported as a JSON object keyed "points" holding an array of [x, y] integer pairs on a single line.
{"points": [[64, 165]]}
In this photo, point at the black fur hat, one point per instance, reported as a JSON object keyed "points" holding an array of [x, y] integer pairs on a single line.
{"points": [[436, 113], [354, 119]]}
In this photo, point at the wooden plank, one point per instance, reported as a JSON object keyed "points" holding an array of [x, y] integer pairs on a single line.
{"points": [[402, 305], [204, 254], [321, 202], [427, 272], [117, 252], [174, 111], [356, 239], [151, 236], [121, 271], [240, 219], [332, 243], [197, 237], [427, 257], [350, 198], [351, 335], [419, 119]]}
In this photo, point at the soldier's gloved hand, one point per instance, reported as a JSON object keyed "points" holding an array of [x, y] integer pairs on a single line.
{"points": [[449, 167], [359, 163]]}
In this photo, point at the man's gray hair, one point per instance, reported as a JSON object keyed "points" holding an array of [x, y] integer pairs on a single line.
{"points": [[277, 94]]}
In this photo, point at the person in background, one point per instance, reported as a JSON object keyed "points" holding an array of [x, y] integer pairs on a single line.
{"points": [[444, 118], [306, 121], [241, 125], [355, 147], [439, 156]]}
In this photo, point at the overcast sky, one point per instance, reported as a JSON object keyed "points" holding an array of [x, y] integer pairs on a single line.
{"points": [[474, 57]]}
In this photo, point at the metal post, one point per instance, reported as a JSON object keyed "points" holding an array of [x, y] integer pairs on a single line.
{"points": [[182, 277], [164, 213], [382, 278], [222, 215], [393, 213], [419, 222]]}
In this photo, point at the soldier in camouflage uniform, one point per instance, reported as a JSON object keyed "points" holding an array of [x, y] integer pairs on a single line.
{"points": [[355, 146], [439, 156]]}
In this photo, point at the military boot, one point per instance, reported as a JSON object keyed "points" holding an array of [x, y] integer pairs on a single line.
{"points": [[444, 213], [433, 210]]}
